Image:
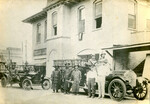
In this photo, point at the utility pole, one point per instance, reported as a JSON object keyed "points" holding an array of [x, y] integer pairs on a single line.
{"points": [[22, 52], [9, 55], [26, 52]]}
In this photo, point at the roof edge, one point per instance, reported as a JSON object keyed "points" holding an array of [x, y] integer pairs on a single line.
{"points": [[39, 15]]}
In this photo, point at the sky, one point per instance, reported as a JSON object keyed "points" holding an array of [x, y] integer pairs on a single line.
{"points": [[13, 32]]}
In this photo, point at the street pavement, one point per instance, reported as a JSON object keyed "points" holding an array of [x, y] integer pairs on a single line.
{"points": [[17, 95]]}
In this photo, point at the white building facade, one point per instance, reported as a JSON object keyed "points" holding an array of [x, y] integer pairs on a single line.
{"points": [[67, 29]]}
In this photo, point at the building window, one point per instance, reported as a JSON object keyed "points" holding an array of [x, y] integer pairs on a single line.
{"points": [[98, 14], [54, 23], [45, 36], [131, 14], [38, 36], [148, 24], [81, 19]]}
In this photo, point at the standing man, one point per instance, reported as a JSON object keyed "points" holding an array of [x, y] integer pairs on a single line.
{"points": [[76, 77], [102, 71], [92, 61], [67, 75], [55, 79], [90, 78]]}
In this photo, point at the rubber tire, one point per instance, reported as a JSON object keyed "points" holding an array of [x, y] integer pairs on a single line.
{"points": [[136, 96], [122, 85], [20, 84], [25, 81], [48, 84], [4, 82], [86, 91]]}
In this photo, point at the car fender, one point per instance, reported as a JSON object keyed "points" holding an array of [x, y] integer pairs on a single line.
{"points": [[142, 80], [118, 77], [28, 77], [5, 75], [47, 78]]}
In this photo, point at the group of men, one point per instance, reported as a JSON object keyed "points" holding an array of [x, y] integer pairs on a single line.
{"points": [[65, 79], [97, 71]]}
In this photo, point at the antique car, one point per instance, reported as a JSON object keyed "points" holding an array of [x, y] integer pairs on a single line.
{"points": [[25, 76], [36, 77], [117, 86], [11, 75], [2, 69]]}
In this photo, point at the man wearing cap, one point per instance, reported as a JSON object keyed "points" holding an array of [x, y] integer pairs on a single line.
{"points": [[102, 70], [55, 77], [90, 78], [92, 61], [67, 75], [76, 77]]}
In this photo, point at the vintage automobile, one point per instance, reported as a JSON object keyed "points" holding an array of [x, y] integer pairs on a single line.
{"points": [[12, 75], [36, 77], [2, 69], [130, 74], [25, 76], [117, 86]]}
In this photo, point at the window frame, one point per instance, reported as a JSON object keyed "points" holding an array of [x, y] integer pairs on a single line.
{"points": [[45, 30], [38, 34], [97, 16], [54, 26], [81, 22], [133, 15]]}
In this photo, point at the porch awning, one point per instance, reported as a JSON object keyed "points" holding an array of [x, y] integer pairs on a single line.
{"points": [[132, 47], [87, 52]]}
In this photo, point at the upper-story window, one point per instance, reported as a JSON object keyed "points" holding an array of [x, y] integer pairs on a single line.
{"points": [[131, 14], [38, 36], [54, 23], [81, 19], [148, 24], [45, 36], [98, 14]]}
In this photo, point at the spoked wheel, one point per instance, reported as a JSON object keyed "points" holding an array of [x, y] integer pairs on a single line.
{"points": [[46, 84], [140, 91], [20, 84], [117, 89], [86, 91], [4, 82], [27, 84]]}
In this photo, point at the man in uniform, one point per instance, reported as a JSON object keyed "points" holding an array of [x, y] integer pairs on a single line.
{"points": [[55, 79], [102, 71], [67, 75], [76, 77]]}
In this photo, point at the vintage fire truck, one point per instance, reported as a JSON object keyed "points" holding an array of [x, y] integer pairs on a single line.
{"points": [[125, 71]]}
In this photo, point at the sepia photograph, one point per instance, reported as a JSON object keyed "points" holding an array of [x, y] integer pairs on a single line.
{"points": [[75, 51]]}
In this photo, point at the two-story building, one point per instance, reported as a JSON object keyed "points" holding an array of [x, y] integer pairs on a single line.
{"points": [[69, 29]]}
